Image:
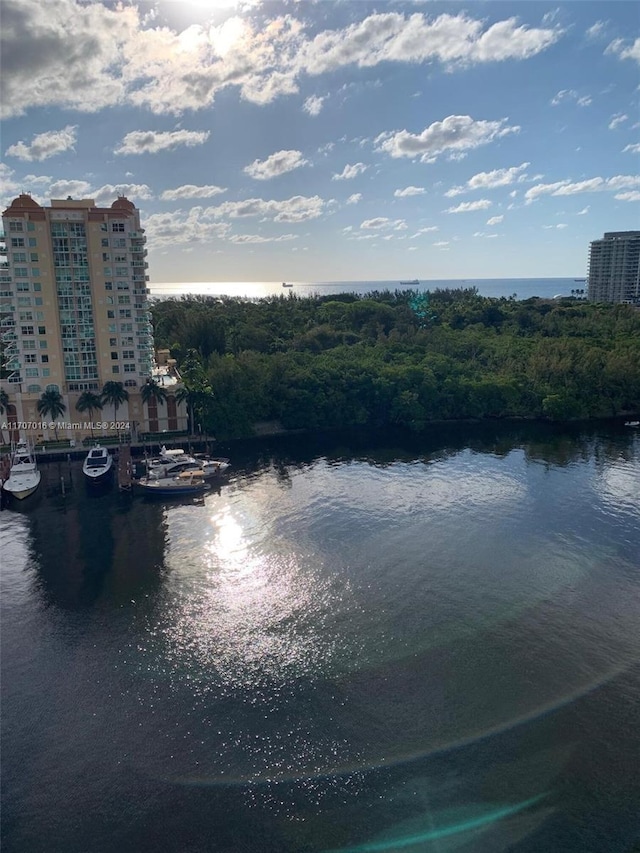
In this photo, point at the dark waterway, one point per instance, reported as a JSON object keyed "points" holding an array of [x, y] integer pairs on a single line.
{"points": [[358, 644]]}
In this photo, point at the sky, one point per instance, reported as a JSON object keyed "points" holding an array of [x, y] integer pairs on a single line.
{"points": [[320, 141]]}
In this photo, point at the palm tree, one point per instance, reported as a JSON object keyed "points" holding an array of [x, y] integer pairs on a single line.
{"points": [[89, 402], [152, 391], [51, 403], [4, 405], [114, 393]]}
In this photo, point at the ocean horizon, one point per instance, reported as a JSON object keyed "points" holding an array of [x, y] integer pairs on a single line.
{"points": [[521, 288]]}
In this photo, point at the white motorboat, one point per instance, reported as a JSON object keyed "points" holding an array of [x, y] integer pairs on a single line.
{"points": [[98, 464], [24, 477], [186, 483], [170, 463]]}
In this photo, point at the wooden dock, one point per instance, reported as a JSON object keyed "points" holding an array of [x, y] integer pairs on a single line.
{"points": [[125, 468]]}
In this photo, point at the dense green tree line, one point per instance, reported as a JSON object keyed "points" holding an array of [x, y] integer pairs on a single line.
{"points": [[399, 359]]}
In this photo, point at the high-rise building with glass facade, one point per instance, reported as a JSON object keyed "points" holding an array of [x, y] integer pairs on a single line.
{"points": [[74, 313], [614, 268]]}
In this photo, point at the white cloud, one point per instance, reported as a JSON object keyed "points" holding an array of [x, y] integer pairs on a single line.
{"points": [[634, 148], [350, 172], [596, 30], [454, 133], [470, 206], [107, 193], [441, 243], [450, 39], [192, 191], [598, 184], [73, 188], [295, 209], [257, 238], [45, 145], [633, 195], [426, 230], [490, 180], [619, 47], [354, 198], [313, 105], [409, 191], [183, 228], [584, 211], [562, 225], [495, 220], [383, 222], [617, 120], [276, 164], [571, 95], [152, 141]]}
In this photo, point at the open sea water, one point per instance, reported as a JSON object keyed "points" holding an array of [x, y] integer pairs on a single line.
{"points": [[363, 643], [522, 288]]}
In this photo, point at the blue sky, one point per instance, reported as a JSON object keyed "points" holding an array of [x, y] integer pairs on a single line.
{"points": [[333, 140]]}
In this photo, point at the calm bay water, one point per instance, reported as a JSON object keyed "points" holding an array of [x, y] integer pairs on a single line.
{"points": [[423, 644], [524, 288]]}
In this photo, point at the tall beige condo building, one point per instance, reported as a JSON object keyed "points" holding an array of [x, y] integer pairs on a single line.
{"points": [[74, 312], [614, 268]]}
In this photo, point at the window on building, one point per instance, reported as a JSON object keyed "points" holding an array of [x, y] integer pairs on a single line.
{"points": [[35, 271], [46, 371], [33, 389], [117, 226], [122, 272], [32, 242], [122, 285], [21, 272], [106, 271], [109, 300], [115, 369], [38, 300], [34, 257], [37, 285], [44, 359], [113, 327], [15, 225], [24, 302], [124, 300], [20, 257], [111, 315], [126, 327], [128, 353], [129, 368], [22, 286], [30, 358], [28, 345], [124, 313], [17, 242], [105, 242], [108, 285], [31, 226], [113, 342], [26, 316], [32, 372], [27, 330], [114, 356], [42, 330]]}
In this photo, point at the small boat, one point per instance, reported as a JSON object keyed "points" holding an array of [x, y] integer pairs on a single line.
{"points": [[24, 477], [285, 284], [413, 283], [98, 464], [186, 483], [632, 423]]}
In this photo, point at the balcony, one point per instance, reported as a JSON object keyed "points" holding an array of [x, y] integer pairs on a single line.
{"points": [[7, 323], [8, 336], [15, 378]]}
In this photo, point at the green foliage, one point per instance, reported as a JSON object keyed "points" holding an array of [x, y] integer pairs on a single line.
{"points": [[343, 360]]}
